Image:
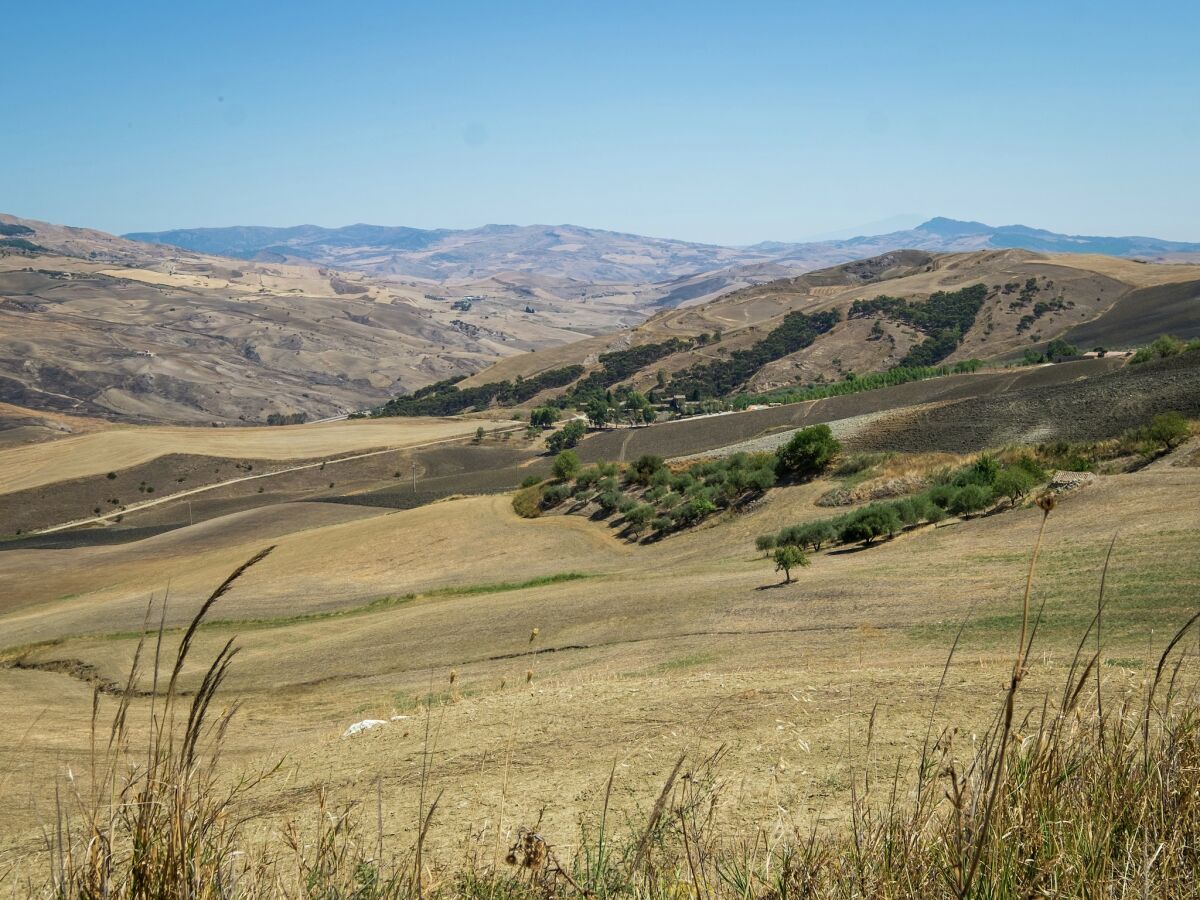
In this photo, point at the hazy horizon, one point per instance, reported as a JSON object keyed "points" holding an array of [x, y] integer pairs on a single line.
{"points": [[695, 122]]}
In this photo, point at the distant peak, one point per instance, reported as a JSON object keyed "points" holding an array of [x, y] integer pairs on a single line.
{"points": [[953, 227]]}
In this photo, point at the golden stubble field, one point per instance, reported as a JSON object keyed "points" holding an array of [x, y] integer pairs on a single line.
{"points": [[681, 646]]}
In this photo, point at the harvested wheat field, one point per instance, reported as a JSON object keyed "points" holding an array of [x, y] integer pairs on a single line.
{"points": [[518, 664]]}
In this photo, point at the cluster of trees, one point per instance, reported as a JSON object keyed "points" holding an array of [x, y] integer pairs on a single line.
{"points": [[298, 418], [614, 367], [1164, 348], [965, 491], [650, 497], [1165, 432], [1162, 433], [620, 405], [543, 417], [721, 377], [445, 398], [1040, 309], [566, 437], [944, 318], [857, 383], [1055, 351]]}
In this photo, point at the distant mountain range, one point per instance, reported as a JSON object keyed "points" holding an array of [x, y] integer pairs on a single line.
{"points": [[595, 255]]}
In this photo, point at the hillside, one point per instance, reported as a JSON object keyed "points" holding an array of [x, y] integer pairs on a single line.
{"points": [[473, 638], [595, 255], [101, 326], [1027, 299]]}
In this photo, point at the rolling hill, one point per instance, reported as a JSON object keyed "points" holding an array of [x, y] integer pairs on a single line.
{"points": [[1026, 300], [96, 325]]}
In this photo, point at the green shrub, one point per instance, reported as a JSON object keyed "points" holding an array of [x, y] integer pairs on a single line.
{"points": [[765, 543], [788, 558], [1168, 430], [588, 477], [566, 464], [639, 516], [645, 468], [1162, 348], [531, 480], [808, 453], [555, 494], [610, 500], [1014, 482], [942, 495], [869, 524], [566, 437], [971, 498], [527, 503]]}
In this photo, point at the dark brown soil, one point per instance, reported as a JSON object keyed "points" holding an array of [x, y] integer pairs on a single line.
{"points": [[700, 434], [1141, 316], [1091, 409], [381, 480]]}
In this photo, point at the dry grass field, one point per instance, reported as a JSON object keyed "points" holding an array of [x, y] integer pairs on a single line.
{"points": [[641, 652]]}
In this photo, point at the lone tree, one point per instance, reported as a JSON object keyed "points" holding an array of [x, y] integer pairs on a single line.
{"points": [[807, 454], [479, 433], [789, 557], [566, 465]]}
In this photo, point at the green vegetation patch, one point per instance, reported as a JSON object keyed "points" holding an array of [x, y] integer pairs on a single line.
{"points": [[944, 318], [721, 377], [855, 384], [445, 398]]}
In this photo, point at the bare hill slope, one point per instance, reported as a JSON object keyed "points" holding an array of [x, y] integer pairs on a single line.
{"points": [[98, 325]]}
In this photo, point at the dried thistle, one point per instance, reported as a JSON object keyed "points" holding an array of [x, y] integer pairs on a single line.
{"points": [[534, 634]]}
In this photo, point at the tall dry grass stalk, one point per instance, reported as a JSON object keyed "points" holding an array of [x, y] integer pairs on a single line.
{"points": [[1077, 797]]}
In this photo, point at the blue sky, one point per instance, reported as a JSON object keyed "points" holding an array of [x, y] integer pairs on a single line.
{"points": [[722, 122]]}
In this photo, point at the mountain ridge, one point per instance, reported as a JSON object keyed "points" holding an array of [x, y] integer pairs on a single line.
{"points": [[604, 256]]}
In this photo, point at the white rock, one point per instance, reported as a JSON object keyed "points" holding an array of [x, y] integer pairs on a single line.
{"points": [[364, 725]]}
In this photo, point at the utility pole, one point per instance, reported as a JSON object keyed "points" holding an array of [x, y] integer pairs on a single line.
{"points": [[190, 520], [414, 465]]}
